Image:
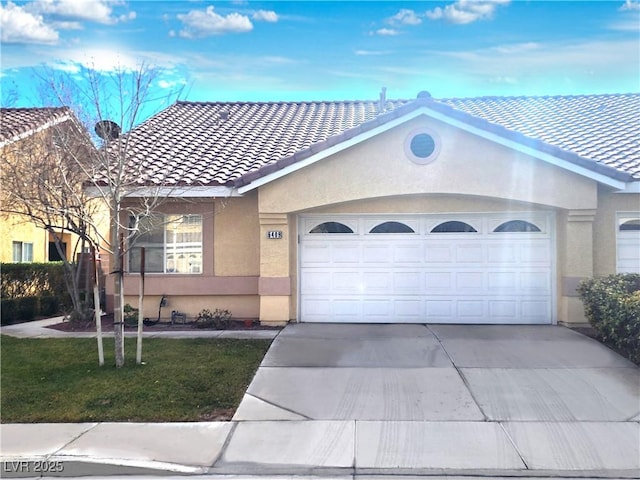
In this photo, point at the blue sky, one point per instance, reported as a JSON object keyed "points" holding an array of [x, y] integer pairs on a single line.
{"points": [[306, 50]]}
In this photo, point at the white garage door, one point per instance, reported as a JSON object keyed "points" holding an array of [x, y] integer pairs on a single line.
{"points": [[628, 243], [426, 269]]}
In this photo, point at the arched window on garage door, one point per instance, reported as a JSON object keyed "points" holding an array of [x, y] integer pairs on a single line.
{"points": [[331, 227], [517, 226], [630, 226], [453, 226], [392, 227]]}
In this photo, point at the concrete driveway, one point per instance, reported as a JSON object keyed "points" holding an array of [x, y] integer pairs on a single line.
{"points": [[416, 399]]}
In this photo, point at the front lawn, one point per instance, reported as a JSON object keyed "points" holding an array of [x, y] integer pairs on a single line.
{"points": [[59, 380]]}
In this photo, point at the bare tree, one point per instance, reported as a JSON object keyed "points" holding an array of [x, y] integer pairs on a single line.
{"points": [[107, 104], [42, 182]]}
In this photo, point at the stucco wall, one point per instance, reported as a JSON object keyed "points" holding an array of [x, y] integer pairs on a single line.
{"points": [[466, 164], [237, 236]]}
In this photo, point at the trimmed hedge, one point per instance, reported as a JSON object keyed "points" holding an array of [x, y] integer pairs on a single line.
{"points": [[612, 306], [30, 290]]}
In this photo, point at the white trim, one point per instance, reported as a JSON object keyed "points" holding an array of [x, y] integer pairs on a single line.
{"points": [[630, 187], [173, 192], [33, 131], [553, 160]]}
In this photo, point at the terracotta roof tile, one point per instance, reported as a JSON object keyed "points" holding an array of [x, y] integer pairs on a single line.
{"points": [[191, 143], [15, 122]]}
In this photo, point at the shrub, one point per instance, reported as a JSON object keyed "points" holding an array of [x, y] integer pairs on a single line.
{"points": [[27, 308], [9, 311], [48, 306], [219, 319], [612, 306]]}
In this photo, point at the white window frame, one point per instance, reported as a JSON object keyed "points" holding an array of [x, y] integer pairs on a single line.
{"points": [[26, 254], [167, 250]]}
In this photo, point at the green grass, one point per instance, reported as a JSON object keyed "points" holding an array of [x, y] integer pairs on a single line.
{"points": [[59, 380]]}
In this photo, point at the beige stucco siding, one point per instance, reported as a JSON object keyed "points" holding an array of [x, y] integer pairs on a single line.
{"points": [[466, 164], [236, 236]]}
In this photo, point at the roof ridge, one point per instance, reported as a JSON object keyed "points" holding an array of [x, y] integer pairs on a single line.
{"points": [[520, 97], [284, 102]]}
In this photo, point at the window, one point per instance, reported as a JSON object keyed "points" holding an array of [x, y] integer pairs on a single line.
{"points": [[392, 227], [630, 226], [454, 227], [22, 252], [172, 244], [331, 227], [517, 226]]}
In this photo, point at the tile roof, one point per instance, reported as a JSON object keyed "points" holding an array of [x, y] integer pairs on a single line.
{"points": [[16, 122], [604, 129], [220, 143]]}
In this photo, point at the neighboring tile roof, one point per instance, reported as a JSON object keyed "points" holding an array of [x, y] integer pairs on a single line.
{"points": [[601, 128], [191, 143], [16, 122]]}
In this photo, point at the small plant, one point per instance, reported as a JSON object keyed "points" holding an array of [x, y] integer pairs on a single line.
{"points": [[130, 315], [219, 319]]}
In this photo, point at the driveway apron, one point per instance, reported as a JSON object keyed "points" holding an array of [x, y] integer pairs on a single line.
{"points": [[439, 398]]}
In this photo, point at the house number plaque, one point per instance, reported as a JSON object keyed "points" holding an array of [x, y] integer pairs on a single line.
{"points": [[274, 234]]}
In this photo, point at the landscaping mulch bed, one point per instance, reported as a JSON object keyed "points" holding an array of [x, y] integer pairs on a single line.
{"points": [[107, 326]]}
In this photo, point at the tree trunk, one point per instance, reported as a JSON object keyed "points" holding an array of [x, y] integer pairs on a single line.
{"points": [[118, 307]]}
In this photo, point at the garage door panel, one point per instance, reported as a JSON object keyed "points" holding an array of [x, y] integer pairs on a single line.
{"points": [[377, 254], [345, 253], [315, 253], [348, 281], [315, 281], [407, 253], [470, 281], [535, 253], [535, 310], [469, 253], [503, 281], [535, 281], [408, 282], [439, 281], [435, 253], [376, 282], [501, 253]]}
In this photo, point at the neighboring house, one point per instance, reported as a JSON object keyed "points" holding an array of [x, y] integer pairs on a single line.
{"points": [[477, 210], [27, 136]]}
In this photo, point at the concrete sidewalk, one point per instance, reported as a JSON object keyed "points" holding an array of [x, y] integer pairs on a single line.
{"points": [[367, 401]]}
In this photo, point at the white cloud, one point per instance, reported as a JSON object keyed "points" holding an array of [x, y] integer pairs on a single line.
{"points": [[203, 23], [265, 16], [99, 11], [386, 32], [368, 53], [20, 26], [630, 5], [405, 17], [466, 11]]}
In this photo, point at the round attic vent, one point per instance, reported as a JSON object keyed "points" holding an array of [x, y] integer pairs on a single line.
{"points": [[424, 94], [422, 146]]}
